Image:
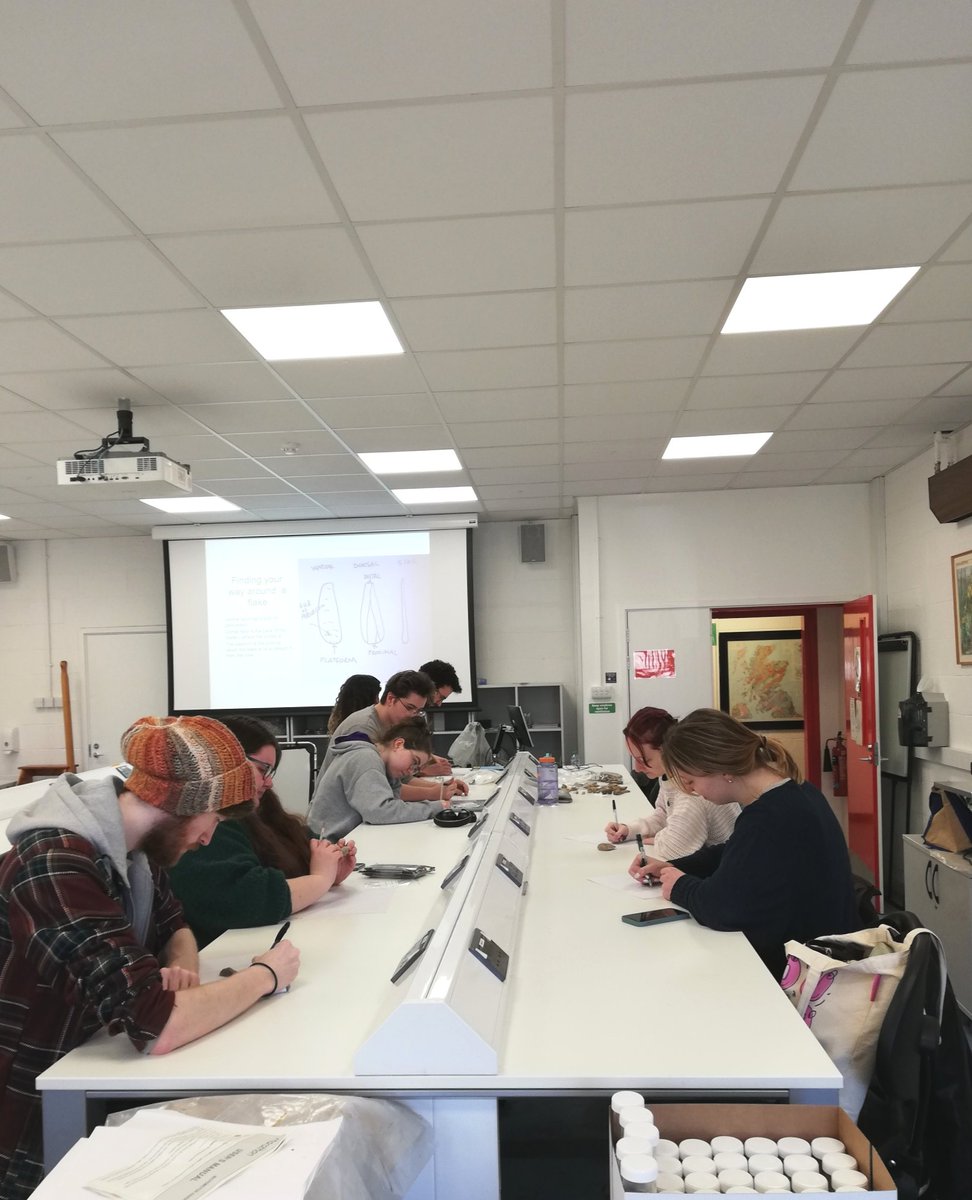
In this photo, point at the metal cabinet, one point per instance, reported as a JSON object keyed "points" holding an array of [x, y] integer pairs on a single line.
{"points": [[938, 890]]}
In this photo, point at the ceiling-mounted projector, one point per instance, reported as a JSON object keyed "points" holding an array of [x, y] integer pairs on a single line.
{"points": [[110, 464]]}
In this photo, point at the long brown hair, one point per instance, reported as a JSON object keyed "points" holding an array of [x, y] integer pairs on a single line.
{"points": [[710, 742], [279, 838]]}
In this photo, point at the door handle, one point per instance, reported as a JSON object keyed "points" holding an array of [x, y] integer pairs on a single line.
{"points": [[95, 750], [871, 756], [935, 894], [928, 867]]}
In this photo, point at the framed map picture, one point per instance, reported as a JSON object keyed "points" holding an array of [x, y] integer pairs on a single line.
{"points": [[962, 605], [761, 677]]}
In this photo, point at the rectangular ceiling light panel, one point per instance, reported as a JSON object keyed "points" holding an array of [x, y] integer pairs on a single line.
{"points": [[826, 300], [302, 331], [724, 445]]}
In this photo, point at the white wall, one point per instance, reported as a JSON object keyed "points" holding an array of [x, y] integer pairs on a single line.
{"points": [[759, 546], [918, 596], [63, 588], [525, 623]]}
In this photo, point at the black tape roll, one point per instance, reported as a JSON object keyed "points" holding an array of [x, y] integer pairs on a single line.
{"points": [[454, 818]]}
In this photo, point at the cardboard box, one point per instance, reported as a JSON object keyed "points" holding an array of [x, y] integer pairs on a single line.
{"points": [[678, 1121]]}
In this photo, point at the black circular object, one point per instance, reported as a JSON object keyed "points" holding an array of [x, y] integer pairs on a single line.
{"points": [[453, 818]]}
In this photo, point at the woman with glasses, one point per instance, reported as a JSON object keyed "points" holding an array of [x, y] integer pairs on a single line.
{"points": [[260, 869], [359, 784], [680, 823]]}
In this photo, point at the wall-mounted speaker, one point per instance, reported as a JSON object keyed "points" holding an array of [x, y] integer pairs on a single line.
{"points": [[8, 563], [950, 492], [533, 543]]}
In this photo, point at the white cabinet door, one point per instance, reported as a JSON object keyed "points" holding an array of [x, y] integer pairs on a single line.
{"points": [[938, 890]]}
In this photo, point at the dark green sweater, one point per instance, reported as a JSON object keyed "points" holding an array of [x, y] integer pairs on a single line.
{"points": [[225, 886]]}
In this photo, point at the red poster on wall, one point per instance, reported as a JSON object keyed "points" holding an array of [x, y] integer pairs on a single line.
{"points": [[654, 664]]}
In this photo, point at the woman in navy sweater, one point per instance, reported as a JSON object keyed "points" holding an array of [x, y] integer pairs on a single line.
{"points": [[785, 871]]}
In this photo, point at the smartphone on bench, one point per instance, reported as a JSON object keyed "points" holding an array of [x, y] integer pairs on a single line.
{"points": [[655, 916]]}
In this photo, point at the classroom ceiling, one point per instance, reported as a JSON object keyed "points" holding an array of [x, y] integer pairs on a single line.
{"points": [[556, 201]]}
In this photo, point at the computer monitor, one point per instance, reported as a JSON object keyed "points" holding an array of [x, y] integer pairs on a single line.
{"points": [[520, 727]]}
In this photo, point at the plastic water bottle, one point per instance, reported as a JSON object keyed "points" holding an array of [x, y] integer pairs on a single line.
{"points": [[547, 784]]}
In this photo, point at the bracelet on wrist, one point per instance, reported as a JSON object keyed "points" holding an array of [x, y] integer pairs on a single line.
{"points": [[276, 981]]}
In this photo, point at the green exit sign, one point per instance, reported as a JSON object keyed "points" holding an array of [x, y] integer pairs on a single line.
{"points": [[604, 707]]}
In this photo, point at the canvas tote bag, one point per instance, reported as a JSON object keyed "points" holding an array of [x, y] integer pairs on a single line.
{"points": [[844, 1002]]}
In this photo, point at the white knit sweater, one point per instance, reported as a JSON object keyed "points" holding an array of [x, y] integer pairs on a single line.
{"points": [[682, 823]]}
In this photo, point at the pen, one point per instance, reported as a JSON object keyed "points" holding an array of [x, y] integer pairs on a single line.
{"points": [[614, 809], [641, 849], [280, 933]]}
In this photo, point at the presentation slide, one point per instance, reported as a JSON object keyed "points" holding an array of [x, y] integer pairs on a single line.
{"points": [[280, 622]]}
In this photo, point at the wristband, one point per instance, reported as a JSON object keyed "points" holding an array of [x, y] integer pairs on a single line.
{"points": [[276, 981]]}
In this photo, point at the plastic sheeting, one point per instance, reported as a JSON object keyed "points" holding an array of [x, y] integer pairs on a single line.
{"points": [[378, 1153]]}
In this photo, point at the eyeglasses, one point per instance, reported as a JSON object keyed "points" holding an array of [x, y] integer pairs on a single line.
{"points": [[267, 770], [412, 709]]}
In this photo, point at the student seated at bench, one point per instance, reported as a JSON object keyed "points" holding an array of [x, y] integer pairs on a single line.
{"points": [[359, 783]]}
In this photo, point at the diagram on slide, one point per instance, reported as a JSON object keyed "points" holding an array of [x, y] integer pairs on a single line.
{"points": [[372, 625], [328, 615]]}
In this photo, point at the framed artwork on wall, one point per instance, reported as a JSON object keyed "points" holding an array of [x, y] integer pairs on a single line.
{"points": [[962, 605], [761, 677]]}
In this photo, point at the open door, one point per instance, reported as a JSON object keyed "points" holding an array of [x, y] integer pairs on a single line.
{"points": [[860, 733]]}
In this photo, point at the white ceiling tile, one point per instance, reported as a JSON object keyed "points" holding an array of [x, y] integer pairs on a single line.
{"points": [[847, 474], [796, 460], [408, 49], [213, 383], [660, 358], [194, 447], [9, 402], [882, 383], [513, 404], [869, 413], [637, 426], [533, 474], [606, 487], [769, 479], [512, 456], [151, 339], [342, 472], [940, 412], [270, 508], [437, 160], [895, 126], [515, 491], [660, 242], [358, 504], [465, 370], [107, 61], [645, 310], [238, 173], [854, 230], [961, 385], [391, 374], [842, 439], [629, 469], [93, 277], [519, 510], [645, 450], [908, 345], [242, 471], [332, 484], [961, 249], [881, 456], [240, 490], [11, 309], [688, 483], [371, 412], [604, 399], [41, 197], [408, 437], [491, 433], [40, 346], [937, 294], [900, 31], [671, 39], [10, 117], [40, 427], [286, 416], [793, 350], [262, 267], [738, 391], [482, 254], [696, 423], [468, 322], [79, 389], [667, 143]]}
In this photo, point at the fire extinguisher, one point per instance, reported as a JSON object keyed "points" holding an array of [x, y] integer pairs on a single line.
{"points": [[835, 760]]}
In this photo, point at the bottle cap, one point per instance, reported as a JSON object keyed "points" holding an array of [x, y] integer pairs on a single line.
{"points": [[765, 1180], [765, 1162], [638, 1168], [633, 1145], [694, 1146], [848, 1178], [793, 1164], [809, 1181], [666, 1149], [669, 1183], [826, 1145], [734, 1177], [729, 1160], [701, 1181], [760, 1145], [792, 1145], [838, 1161], [723, 1144], [740, 1191], [626, 1100], [668, 1165], [697, 1162]]}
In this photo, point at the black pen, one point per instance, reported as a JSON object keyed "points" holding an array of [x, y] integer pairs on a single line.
{"points": [[280, 933], [614, 809], [641, 849]]}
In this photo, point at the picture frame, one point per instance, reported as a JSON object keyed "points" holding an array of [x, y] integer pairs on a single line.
{"points": [[761, 677], [962, 606]]}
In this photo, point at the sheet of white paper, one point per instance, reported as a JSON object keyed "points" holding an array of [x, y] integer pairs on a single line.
{"points": [[283, 1175], [357, 897], [621, 881], [592, 839]]}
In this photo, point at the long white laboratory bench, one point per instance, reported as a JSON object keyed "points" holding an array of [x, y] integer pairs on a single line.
{"points": [[529, 984]]}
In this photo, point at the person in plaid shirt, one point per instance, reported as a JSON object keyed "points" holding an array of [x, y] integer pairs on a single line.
{"points": [[91, 935]]}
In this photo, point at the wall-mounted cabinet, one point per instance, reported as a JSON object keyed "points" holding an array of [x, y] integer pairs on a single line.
{"points": [[938, 890]]}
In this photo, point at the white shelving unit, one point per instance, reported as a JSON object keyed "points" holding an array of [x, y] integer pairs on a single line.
{"points": [[542, 704]]}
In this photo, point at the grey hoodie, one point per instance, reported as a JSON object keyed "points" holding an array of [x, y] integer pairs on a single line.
{"points": [[355, 788], [89, 808]]}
